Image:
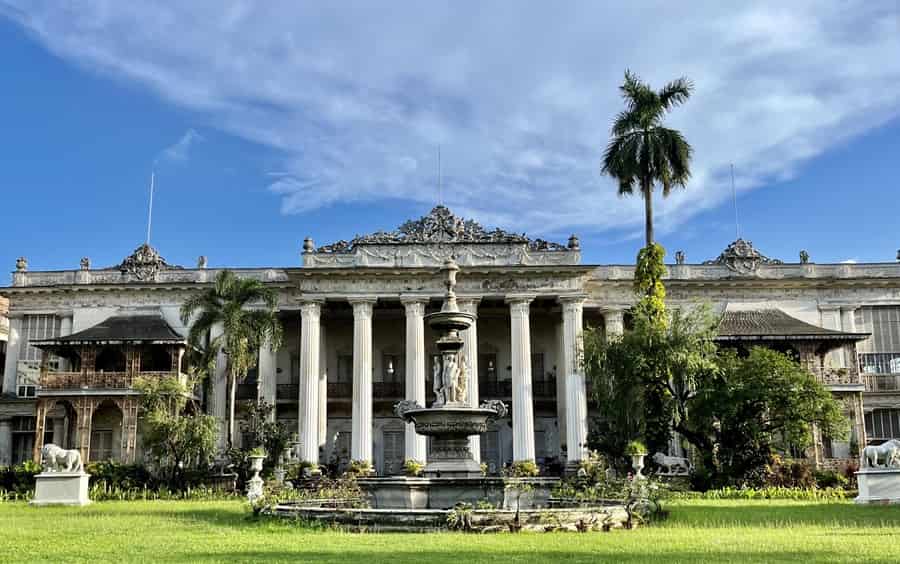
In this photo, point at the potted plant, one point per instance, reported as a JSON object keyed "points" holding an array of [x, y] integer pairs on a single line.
{"points": [[413, 468], [637, 451]]}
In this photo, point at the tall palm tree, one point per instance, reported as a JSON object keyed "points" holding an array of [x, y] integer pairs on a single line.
{"points": [[643, 152], [245, 311]]}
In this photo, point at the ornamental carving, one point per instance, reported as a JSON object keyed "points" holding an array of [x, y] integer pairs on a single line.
{"points": [[144, 263], [741, 257], [440, 226]]}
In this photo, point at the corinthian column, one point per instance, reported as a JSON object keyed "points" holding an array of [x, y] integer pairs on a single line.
{"points": [[361, 445], [310, 313], [415, 447], [522, 402], [576, 393], [470, 351]]}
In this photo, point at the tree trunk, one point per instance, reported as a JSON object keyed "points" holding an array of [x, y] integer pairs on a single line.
{"points": [[232, 384], [647, 190]]}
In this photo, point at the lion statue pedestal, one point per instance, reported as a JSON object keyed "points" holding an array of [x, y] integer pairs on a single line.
{"points": [[879, 474], [63, 481]]}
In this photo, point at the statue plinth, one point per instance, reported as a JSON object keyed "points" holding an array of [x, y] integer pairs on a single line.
{"points": [[878, 485], [61, 488]]}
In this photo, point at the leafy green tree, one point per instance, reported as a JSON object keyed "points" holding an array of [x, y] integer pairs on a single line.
{"points": [[754, 406], [245, 309], [178, 441], [737, 411], [643, 152]]}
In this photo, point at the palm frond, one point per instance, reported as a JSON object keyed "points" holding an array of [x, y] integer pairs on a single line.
{"points": [[675, 93]]}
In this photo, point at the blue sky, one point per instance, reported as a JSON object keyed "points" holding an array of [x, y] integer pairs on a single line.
{"points": [[269, 123]]}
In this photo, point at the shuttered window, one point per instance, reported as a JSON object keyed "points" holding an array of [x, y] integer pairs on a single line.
{"points": [[35, 328], [884, 324], [393, 452]]}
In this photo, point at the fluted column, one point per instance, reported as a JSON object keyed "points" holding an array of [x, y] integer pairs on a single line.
{"points": [[310, 313], [559, 335], [614, 321], [267, 376], [522, 396], [65, 328], [323, 387], [218, 407], [416, 447], [576, 392], [361, 445], [12, 356], [470, 351]]}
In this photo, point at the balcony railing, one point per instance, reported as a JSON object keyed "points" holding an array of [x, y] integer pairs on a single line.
{"points": [[839, 376], [340, 390], [542, 389], [882, 382], [78, 380]]}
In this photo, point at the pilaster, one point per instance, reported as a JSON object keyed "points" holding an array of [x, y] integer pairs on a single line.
{"points": [[614, 321], [267, 381], [12, 355]]}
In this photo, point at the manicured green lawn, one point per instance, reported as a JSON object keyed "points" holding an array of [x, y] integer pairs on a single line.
{"points": [[697, 531]]}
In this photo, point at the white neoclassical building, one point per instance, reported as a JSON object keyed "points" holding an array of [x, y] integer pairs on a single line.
{"points": [[355, 342]]}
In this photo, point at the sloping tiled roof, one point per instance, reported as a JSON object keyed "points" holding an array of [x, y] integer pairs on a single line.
{"points": [[122, 328], [774, 324]]}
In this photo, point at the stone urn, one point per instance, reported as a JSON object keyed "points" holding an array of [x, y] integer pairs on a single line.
{"points": [[255, 484], [637, 462]]}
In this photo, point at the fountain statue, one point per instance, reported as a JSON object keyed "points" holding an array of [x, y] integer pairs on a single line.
{"points": [[451, 419]]}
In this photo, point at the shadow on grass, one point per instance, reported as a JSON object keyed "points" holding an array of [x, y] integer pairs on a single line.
{"points": [[455, 556], [777, 513]]}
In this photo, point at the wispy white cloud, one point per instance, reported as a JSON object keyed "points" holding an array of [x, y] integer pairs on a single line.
{"points": [[178, 151], [356, 96], [849, 261]]}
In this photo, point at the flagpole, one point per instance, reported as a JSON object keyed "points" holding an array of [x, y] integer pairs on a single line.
{"points": [[150, 207]]}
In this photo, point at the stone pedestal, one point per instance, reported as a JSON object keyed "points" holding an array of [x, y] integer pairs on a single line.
{"points": [[61, 488], [878, 485]]}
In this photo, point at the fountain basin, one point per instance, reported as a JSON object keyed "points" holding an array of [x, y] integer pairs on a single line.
{"points": [[450, 320], [399, 492]]}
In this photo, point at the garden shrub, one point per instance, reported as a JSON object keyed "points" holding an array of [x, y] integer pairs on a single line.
{"points": [[19, 479]]}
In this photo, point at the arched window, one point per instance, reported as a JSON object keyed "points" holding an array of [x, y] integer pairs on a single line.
{"points": [[110, 359]]}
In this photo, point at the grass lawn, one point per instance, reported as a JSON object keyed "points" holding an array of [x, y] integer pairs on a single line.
{"points": [[697, 531]]}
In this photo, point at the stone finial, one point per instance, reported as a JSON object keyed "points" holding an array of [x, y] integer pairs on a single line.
{"points": [[21, 264], [85, 263], [804, 257], [201, 262], [679, 257], [574, 243], [308, 245]]}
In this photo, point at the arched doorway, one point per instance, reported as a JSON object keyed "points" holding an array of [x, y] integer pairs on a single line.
{"points": [[106, 432]]}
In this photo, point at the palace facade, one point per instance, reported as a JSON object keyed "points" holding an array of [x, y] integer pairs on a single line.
{"points": [[355, 342]]}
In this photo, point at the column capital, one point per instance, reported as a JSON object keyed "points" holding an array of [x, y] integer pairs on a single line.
{"points": [[469, 304], [526, 299], [572, 298], [414, 307], [362, 306], [829, 307], [311, 307]]}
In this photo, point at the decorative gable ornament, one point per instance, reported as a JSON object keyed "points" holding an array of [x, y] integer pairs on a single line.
{"points": [[741, 257], [144, 263], [440, 226]]}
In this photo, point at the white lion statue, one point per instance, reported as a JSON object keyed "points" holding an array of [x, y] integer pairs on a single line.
{"points": [[672, 465], [889, 451], [57, 459]]}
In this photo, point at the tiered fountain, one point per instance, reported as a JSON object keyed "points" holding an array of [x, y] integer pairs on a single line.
{"points": [[451, 475]]}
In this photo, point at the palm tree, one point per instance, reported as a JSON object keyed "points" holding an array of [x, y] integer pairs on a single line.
{"points": [[233, 304], [644, 152]]}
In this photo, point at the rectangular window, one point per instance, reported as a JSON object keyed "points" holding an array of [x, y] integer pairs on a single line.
{"points": [[345, 368], [883, 424], [295, 370], [537, 367], [487, 367], [393, 452], [391, 369]]}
